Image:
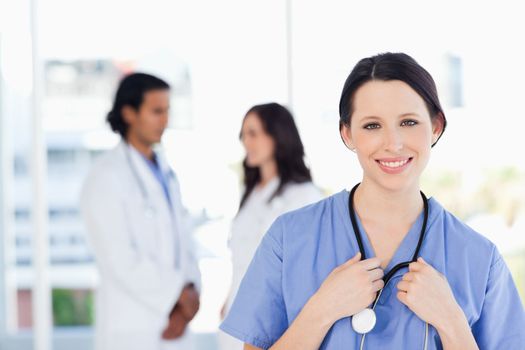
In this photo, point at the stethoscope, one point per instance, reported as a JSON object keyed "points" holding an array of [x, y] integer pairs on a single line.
{"points": [[149, 208], [365, 320]]}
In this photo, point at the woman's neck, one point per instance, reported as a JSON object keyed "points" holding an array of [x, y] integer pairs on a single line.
{"points": [[387, 216], [386, 205], [268, 172]]}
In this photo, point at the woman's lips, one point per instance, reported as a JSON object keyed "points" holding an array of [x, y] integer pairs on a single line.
{"points": [[394, 165]]}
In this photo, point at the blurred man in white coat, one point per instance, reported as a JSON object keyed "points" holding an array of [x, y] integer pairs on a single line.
{"points": [[149, 279]]}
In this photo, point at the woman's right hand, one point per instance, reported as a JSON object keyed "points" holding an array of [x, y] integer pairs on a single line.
{"points": [[350, 287]]}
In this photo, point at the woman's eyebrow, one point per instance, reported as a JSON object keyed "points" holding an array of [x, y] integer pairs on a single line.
{"points": [[408, 114], [370, 117], [374, 117]]}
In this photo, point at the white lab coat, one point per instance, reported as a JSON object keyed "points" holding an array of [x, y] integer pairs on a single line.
{"points": [[136, 250], [250, 225]]}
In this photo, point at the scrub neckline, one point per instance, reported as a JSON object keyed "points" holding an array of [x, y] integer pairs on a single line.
{"points": [[406, 248]]}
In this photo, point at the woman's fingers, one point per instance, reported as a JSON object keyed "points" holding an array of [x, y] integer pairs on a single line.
{"points": [[409, 276], [420, 265], [376, 274], [421, 260], [403, 286], [354, 259], [402, 297], [416, 266], [370, 264], [378, 285]]}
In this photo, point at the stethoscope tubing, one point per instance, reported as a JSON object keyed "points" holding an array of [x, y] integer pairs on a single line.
{"points": [[358, 237], [388, 276], [146, 197], [142, 187]]}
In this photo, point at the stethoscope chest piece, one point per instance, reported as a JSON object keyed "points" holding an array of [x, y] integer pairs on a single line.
{"points": [[364, 321]]}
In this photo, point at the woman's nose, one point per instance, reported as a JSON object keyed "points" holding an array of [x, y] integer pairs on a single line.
{"points": [[394, 140]]}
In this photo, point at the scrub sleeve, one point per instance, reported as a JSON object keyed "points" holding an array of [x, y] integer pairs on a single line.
{"points": [[258, 314]]}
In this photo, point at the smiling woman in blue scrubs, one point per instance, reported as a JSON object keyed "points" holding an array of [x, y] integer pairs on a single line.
{"points": [[318, 268]]}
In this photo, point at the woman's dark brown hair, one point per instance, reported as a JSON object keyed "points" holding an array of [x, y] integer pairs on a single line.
{"points": [[391, 66]]}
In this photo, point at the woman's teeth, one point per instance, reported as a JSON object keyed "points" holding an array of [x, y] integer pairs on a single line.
{"points": [[394, 164]]}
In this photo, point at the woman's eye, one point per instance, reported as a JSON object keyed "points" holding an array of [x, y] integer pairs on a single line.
{"points": [[408, 123], [371, 126]]}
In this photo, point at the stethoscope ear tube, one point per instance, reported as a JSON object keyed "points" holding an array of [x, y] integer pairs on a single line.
{"points": [[364, 321], [357, 233], [359, 240], [134, 172]]}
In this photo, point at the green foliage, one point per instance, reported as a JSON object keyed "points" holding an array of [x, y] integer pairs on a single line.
{"points": [[72, 307]]}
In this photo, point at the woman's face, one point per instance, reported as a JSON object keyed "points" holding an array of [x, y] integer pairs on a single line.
{"points": [[392, 133], [258, 144]]}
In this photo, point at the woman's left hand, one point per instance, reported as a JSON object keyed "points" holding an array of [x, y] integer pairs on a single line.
{"points": [[427, 293]]}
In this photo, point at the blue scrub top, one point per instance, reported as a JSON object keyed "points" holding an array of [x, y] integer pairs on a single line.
{"points": [[302, 247]]}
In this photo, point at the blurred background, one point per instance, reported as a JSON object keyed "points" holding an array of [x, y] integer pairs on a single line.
{"points": [[61, 60]]}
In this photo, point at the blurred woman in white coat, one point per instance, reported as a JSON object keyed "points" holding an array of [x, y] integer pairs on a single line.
{"points": [[276, 180], [149, 280]]}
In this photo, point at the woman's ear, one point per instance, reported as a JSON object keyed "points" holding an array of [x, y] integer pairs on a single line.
{"points": [[438, 125], [346, 136]]}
